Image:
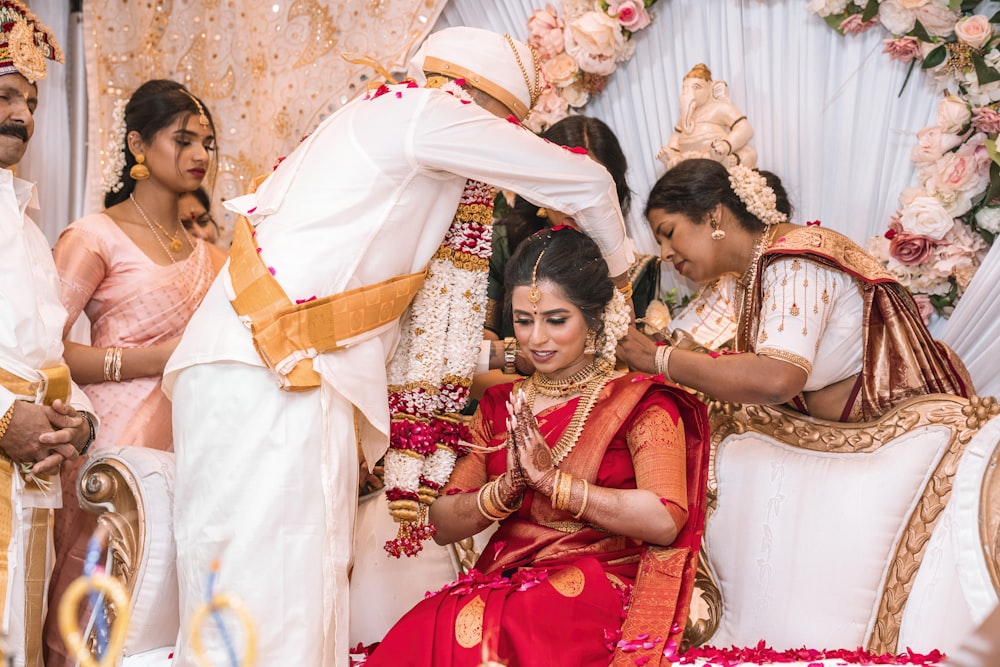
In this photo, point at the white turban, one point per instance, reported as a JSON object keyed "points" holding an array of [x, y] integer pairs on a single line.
{"points": [[501, 67]]}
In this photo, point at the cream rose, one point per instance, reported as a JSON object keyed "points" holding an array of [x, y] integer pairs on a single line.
{"points": [[561, 70], [574, 8], [827, 7], [596, 41], [550, 109], [938, 20], [974, 30], [912, 4], [925, 216], [953, 114], [896, 19], [932, 143], [575, 95]]}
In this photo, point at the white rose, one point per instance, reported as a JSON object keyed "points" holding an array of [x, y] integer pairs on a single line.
{"points": [[988, 218], [938, 20], [575, 95], [827, 7], [574, 8], [925, 216], [932, 143], [896, 19], [596, 41], [912, 4], [974, 30], [907, 196], [953, 114]]}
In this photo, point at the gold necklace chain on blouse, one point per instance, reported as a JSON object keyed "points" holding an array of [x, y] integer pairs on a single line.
{"points": [[589, 391], [745, 282], [577, 382], [175, 241]]}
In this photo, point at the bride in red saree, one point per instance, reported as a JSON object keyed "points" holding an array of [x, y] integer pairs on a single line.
{"points": [[584, 468]]}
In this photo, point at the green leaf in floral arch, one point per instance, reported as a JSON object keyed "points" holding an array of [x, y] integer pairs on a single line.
{"points": [[991, 150], [944, 302], [995, 18], [871, 9], [969, 6], [935, 57], [920, 32], [984, 73], [834, 21]]}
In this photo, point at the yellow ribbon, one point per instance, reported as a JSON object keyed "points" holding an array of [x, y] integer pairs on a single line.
{"points": [[69, 625]]}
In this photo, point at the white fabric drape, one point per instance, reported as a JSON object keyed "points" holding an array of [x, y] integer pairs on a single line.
{"points": [[827, 113]]}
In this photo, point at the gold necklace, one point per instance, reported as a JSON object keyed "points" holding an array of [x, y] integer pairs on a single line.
{"points": [[746, 281], [586, 402], [577, 382], [175, 241]]}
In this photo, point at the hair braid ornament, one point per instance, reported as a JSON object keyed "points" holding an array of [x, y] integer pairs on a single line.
{"points": [[432, 369], [114, 153], [752, 189]]}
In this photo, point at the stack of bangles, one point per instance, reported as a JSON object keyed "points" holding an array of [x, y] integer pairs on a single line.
{"points": [[662, 360], [490, 503], [113, 364], [562, 491]]}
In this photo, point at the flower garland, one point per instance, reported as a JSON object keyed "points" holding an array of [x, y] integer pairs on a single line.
{"points": [[939, 236], [431, 371], [759, 198], [580, 50], [114, 161]]}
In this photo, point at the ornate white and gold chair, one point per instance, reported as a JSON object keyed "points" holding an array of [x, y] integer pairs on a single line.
{"points": [[130, 489], [883, 535]]}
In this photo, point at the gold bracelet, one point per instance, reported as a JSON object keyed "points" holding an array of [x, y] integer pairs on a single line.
{"points": [[626, 290], [662, 361], [483, 510], [565, 491], [583, 505], [510, 350], [117, 371], [6, 419], [498, 500], [554, 497], [109, 360]]}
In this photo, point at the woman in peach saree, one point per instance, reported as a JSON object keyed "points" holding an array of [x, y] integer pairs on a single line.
{"points": [[584, 467], [139, 277]]}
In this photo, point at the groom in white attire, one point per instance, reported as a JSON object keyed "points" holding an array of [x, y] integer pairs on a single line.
{"points": [[267, 459]]}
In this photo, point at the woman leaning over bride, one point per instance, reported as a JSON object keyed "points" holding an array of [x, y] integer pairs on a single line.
{"points": [[582, 467], [821, 324]]}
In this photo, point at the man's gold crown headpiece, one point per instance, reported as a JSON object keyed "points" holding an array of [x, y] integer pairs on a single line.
{"points": [[25, 43]]}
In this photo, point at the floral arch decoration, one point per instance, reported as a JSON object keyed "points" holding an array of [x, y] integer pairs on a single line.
{"points": [[946, 222]]}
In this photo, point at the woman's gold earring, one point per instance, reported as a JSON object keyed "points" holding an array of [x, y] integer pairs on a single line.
{"points": [[139, 171], [590, 346], [542, 212], [717, 234]]}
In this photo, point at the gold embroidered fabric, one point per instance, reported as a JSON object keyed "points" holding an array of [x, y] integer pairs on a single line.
{"points": [[656, 442], [269, 72]]}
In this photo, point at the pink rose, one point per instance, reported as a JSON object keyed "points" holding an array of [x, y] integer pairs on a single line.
{"points": [[952, 114], [853, 25], [903, 49], [545, 32], [910, 249], [986, 120], [924, 307], [974, 30], [631, 14], [966, 170]]}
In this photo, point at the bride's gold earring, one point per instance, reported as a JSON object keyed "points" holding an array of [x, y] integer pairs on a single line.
{"points": [[717, 234], [590, 346]]}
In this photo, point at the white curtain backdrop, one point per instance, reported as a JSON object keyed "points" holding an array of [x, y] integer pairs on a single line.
{"points": [[830, 115]]}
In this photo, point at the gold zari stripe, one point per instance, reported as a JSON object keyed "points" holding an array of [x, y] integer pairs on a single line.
{"points": [[57, 384]]}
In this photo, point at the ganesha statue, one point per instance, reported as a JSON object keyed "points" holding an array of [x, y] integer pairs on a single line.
{"points": [[710, 126]]}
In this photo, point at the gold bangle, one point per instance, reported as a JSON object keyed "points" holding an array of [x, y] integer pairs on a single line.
{"points": [[486, 503], [6, 419], [109, 360], [565, 491], [662, 361], [583, 504], [554, 497], [117, 371], [626, 290], [510, 350]]}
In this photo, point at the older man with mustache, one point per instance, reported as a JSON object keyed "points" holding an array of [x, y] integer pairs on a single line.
{"points": [[44, 417]]}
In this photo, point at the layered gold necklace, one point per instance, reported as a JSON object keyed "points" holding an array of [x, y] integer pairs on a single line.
{"points": [[746, 281], [588, 383]]}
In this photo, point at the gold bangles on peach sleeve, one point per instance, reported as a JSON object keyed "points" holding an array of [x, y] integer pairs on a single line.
{"points": [[113, 364]]}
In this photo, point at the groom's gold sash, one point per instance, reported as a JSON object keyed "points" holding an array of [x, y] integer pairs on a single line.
{"points": [[288, 335]]}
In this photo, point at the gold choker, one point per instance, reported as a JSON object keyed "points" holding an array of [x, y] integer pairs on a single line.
{"points": [[576, 383]]}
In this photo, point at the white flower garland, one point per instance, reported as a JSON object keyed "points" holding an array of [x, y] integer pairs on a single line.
{"points": [[617, 319], [752, 189], [114, 155]]}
